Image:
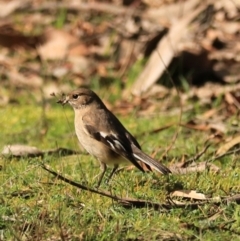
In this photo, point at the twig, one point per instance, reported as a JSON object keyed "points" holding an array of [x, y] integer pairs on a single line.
{"points": [[125, 201], [155, 131], [139, 203], [196, 157]]}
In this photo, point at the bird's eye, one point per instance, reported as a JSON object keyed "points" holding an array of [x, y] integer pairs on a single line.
{"points": [[75, 97]]}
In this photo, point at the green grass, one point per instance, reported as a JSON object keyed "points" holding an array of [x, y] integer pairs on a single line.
{"points": [[34, 205]]}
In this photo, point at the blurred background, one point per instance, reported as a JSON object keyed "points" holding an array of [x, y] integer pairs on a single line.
{"points": [[141, 56]]}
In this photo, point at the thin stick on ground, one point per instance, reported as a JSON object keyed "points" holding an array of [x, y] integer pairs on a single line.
{"points": [[140, 203]]}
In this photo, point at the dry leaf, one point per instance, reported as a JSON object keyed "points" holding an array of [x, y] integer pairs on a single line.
{"points": [[7, 7], [228, 145], [194, 167], [192, 194], [202, 125]]}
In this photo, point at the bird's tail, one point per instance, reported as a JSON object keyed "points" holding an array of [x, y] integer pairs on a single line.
{"points": [[143, 157]]}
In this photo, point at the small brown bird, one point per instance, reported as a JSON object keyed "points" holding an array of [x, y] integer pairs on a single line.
{"points": [[103, 136]]}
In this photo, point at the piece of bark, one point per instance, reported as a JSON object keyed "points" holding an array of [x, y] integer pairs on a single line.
{"points": [[164, 53]]}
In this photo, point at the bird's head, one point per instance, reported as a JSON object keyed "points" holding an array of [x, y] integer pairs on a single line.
{"points": [[80, 98]]}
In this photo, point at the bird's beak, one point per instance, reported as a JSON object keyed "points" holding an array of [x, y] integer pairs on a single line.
{"points": [[64, 100]]}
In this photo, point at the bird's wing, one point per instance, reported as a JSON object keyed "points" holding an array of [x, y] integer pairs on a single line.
{"points": [[113, 139]]}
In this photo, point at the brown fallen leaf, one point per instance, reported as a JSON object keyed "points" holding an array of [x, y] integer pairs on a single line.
{"points": [[194, 167], [232, 100], [196, 126], [192, 194], [202, 125], [227, 146], [208, 114], [8, 7]]}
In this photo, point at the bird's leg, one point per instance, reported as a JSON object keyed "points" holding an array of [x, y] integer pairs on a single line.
{"points": [[103, 168], [112, 172]]}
